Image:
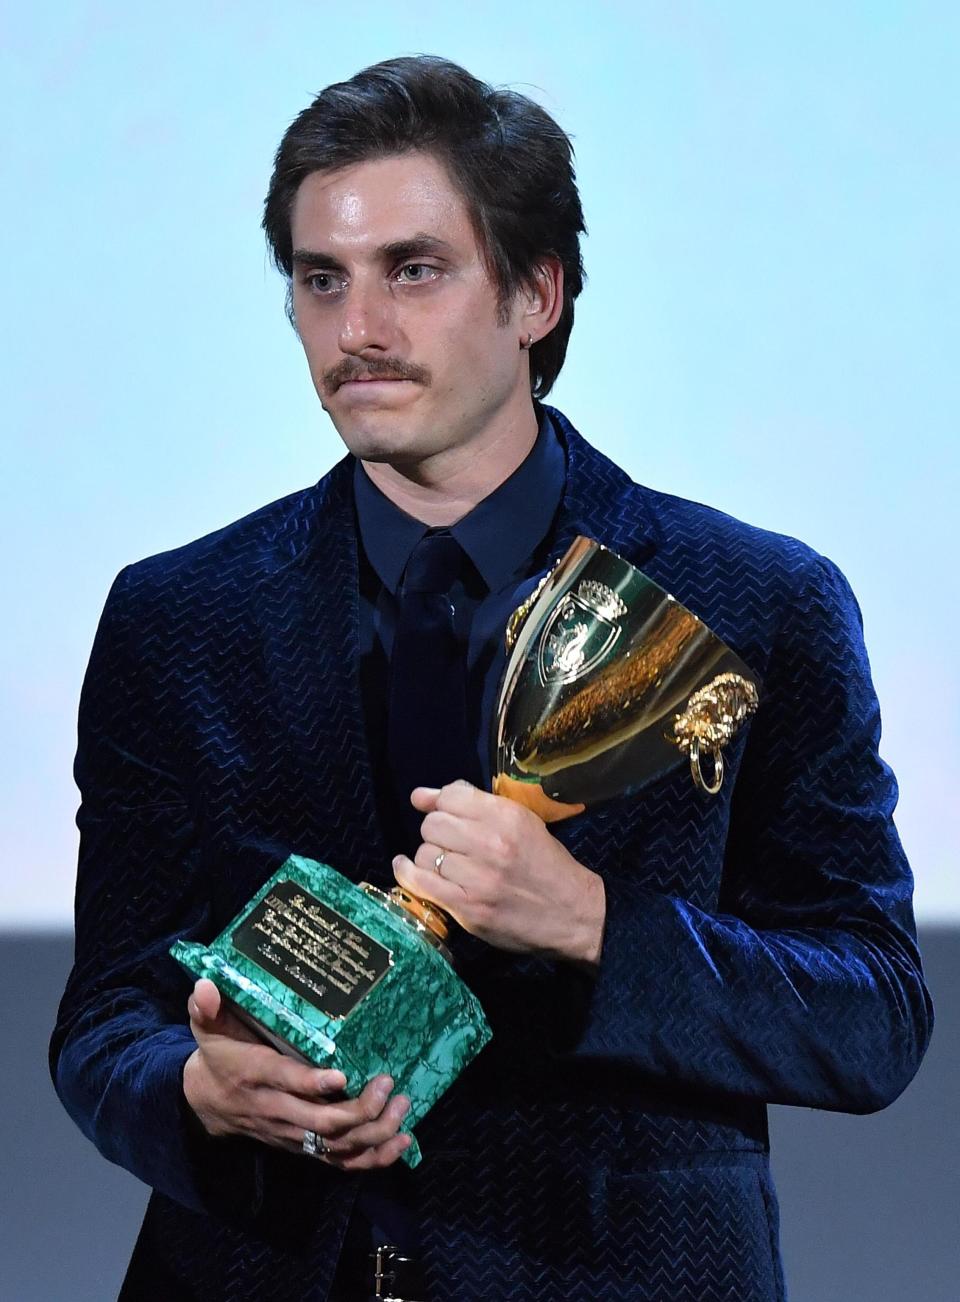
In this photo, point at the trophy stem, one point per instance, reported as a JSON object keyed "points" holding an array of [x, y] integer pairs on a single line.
{"points": [[428, 920]]}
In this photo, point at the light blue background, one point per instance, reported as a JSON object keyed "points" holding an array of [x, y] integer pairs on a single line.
{"points": [[769, 324]]}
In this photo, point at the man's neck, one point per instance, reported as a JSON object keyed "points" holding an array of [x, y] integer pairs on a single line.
{"points": [[443, 488]]}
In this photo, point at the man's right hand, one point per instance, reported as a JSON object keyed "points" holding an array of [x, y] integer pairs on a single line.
{"points": [[237, 1085]]}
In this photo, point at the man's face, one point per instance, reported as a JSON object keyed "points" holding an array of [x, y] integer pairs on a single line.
{"points": [[396, 312]]}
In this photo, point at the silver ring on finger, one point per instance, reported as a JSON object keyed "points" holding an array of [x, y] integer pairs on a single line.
{"points": [[314, 1145], [438, 862]]}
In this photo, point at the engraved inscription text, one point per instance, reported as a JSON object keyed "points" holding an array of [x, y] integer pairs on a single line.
{"points": [[312, 949]]}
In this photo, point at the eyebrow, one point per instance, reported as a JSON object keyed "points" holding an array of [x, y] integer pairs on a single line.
{"points": [[416, 246]]}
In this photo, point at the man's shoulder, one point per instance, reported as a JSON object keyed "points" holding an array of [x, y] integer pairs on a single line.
{"points": [[683, 529], [246, 549], [745, 581], [691, 527]]}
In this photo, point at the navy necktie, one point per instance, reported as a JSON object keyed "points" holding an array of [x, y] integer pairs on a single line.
{"points": [[427, 740]]}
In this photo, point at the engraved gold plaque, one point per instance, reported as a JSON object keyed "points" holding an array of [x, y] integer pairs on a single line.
{"points": [[610, 682], [298, 939]]}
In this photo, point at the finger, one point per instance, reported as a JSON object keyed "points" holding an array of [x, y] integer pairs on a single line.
{"points": [[470, 877], [452, 832], [211, 1014], [231, 1026], [374, 1158], [211, 1018], [224, 1024], [428, 884], [305, 1082], [372, 1133], [204, 1003], [228, 1026], [455, 868], [256, 1066], [285, 1119], [289, 1115], [424, 797], [265, 1067], [428, 854], [336, 1118], [369, 1160], [463, 798]]}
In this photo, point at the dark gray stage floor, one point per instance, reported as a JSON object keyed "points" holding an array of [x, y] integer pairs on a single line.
{"points": [[869, 1205]]}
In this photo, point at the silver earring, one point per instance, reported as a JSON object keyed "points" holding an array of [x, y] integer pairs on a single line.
{"points": [[529, 342]]}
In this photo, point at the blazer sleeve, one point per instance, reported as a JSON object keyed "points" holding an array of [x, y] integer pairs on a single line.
{"points": [[806, 985], [122, 1034]]}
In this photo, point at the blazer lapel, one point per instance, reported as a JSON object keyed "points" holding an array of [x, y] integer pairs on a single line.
{"points": [[307, 612], [601, 501]]}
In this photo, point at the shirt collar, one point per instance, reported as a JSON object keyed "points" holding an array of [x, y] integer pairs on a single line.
{"points": [[498, 535]]}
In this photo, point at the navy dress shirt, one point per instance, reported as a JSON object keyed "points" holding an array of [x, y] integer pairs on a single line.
{"points": [[506, 538]]}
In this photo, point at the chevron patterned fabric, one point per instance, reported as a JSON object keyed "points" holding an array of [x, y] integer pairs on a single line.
{"points": [[611, 1142]]}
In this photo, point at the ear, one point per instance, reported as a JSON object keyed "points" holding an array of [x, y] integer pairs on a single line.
{"points": [[542, 299]]}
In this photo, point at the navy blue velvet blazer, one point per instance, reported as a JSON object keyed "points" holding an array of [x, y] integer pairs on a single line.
{"points": [[611, 1142]]}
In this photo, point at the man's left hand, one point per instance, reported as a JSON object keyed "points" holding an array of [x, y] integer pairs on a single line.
{"points": [[503, 877]]}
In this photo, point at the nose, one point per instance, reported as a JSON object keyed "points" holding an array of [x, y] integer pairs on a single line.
{"points": [[368, 319]]}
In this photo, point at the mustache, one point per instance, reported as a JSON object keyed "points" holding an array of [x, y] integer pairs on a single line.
{"points": [[384, 368]]}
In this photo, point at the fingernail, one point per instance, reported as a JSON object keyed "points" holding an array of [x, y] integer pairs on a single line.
{"points": [[396, 859], [403, 1106], [384, 1087]]}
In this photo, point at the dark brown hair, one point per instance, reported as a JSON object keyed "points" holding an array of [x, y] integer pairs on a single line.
{"points": [[510, 160]]}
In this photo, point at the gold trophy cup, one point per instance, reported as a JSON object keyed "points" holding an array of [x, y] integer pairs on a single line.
{"points": [[610, 682]]}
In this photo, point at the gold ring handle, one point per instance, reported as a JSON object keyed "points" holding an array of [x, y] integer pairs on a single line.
{"points": [[697, 771], [713, 715]]}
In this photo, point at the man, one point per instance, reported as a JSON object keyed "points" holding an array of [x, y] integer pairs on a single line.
{"points": [[655, 971]]}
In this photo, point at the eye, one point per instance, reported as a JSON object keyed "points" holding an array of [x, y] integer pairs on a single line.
{"points": [[316, 276], [423, 267]]}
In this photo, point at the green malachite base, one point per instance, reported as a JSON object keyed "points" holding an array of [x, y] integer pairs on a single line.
{"points": [[343, 981]]}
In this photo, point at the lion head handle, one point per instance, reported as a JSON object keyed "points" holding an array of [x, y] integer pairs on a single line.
{"points": [[713, 715]]}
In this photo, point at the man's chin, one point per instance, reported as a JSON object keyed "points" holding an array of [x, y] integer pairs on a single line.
{"points": [[386, 451], [382, 440]]}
